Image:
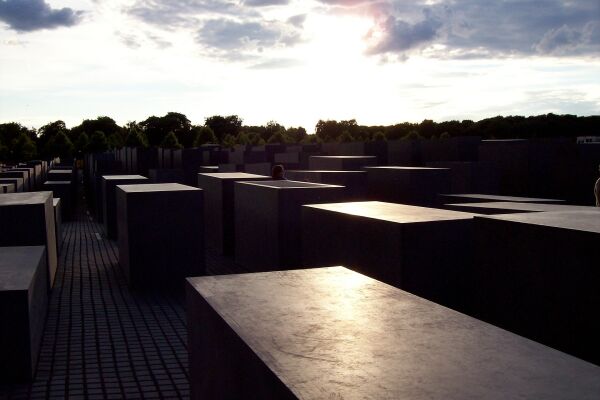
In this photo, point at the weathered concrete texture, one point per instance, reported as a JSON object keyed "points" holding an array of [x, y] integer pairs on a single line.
{"points": [[259, 168], [65, 191], [267, 221], [408, 185], [208, 169], [537, 276], [405, 153], [31, 181], [355, 182], [57, 204], [16, 182], [507, 207], [109, 202], [512, 158], [341, 163], [331, 333], [160, 234], [7, 188], [231, 167], [27, 219], [22, 175], [219, 210], [480, 198], [470, 176], [23, 307], [425, 251], [165, 175], [60, 175]]}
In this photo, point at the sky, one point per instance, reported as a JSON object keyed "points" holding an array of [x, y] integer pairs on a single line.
{"points": [[297, 61]]}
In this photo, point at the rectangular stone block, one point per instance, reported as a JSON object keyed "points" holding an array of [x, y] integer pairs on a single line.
{"points": [[7, 188], [331, 333], [219, 210], [27, 219], [65, 191], [161, 234], [109, 201], [23, 307], [355, 182], [165, 175], [470, 176], [22, 175], [263, 169], [408, 185], [57, 203], [208, 169], [60, 175], [425, 251], [507, 207], [16, 182], [231, 167], [537, 275], [267, 221], [481, 198], [341, 163], [406, 153], [511, 158], [31, 183]]}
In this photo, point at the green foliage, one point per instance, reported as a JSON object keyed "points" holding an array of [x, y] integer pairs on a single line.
{"points": [[204, 135], [330, 131], [296, 135], [115, 141], [444, 135], [46, 133], [222, 126], [412, 135], [82, 143], [135, 138], [60, 146], [345, 137], [308, 139], [242, 138], [158, 128], [3, 152], [379, 136], [170, 142], [23, 148], [98, 143], [278, 137], [228, 141]]}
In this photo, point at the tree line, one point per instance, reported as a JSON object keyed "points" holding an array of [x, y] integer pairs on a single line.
{"points": [[175, 130]]}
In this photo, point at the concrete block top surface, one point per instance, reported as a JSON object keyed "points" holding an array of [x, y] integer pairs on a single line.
{"points": [[345, 157], [587, 221], [55, 201], [24, 198], [122, 177], [61, 171], [57, 183], [233, 175], [531, 207], [333, 333], [493, 197], [157, 187], [321, 171], [18, 265], [393, 212], [400, 168], [284, 184]]}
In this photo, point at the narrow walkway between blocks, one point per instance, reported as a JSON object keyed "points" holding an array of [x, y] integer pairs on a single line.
{"points": [[102, 341]]}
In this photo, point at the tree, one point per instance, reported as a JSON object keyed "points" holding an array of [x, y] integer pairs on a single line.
{"points": [[98, 143], [60, 146], [3, 152], [102, 123], [170, 142], [412, 135], [115, 141], [135, 138], [46, 133], [296, 135], [255, 139], [23, 148], [242, 138], [222, 126], [379, 136], [278, 137], [330, 131], [204, 135], [229, 141], [157, 128], [345, 137], [82, 143]]}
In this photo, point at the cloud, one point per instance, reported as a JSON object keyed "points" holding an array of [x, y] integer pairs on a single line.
{"points": [[32, 15], [261, 3], [231, 39], [478, 28]]}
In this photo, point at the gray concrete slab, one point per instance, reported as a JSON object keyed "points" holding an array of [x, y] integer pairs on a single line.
{"points": [[65, 191], [407, 185], [160, 234], [267, 220], [28, 220], [341, 163], [60, 175], [23, 175], [32, 184], [425, 251], [7, 188], [219, 210], [537, 276], [481, 197], [109, 202], [507, 207], [23, 307], [355, 182], [331, 333], [16, 182]]}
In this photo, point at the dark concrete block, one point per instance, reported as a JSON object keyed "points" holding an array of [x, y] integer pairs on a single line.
{"points": [[23, 307], [331, 333], [507, 207], [511, 158], [7, 188], [355, 182], [166, 175], [65, 191], [406, 153], [537, 275], [231, 168], [481, 198], [61, 175], [219, 210], [208, 169], [259, 168], [31, 182], [109, 202], [161, 234], [27, 219], [22, 175], [341, 163], [57, 203], [470, 176], [189, 161], [267, 221], [425, 251], [16, 182], [409, 185]]}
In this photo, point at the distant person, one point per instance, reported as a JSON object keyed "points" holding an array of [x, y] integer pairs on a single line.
{"points": [[278, 173], [597, 190]]}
